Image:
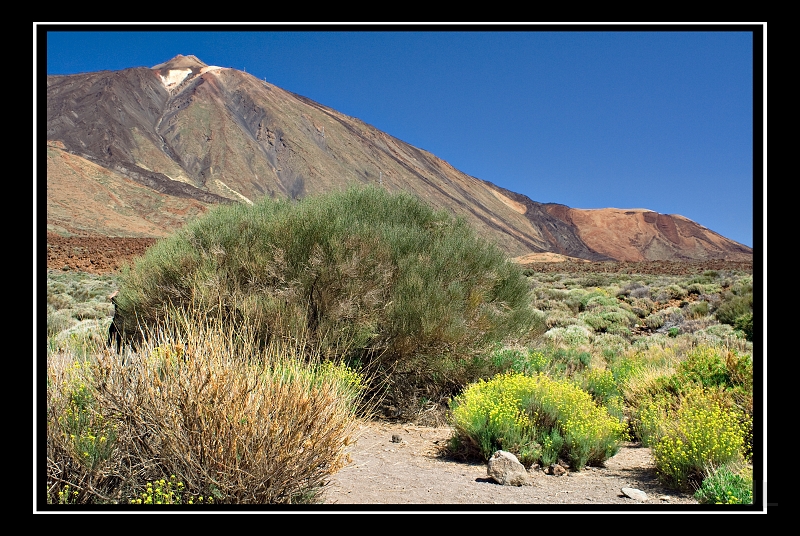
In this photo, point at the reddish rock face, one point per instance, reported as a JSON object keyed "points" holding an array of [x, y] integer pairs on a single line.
{"points": [[642, 235]]}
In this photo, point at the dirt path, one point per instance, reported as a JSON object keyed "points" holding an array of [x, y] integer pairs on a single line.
{"points": [[412, 472]]}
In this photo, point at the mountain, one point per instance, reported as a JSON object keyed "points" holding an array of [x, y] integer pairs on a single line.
{"points": [[138, 152]]}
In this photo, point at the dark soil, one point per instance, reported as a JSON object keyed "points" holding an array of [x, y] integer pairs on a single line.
{"points": [[102, 254], [643, 267], [93, 254]]}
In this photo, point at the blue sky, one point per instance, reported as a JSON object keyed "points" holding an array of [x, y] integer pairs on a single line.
{"points": [[590, 117]]}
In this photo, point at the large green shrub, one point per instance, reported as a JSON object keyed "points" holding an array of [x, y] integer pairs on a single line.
{"points": [[381, 277]]}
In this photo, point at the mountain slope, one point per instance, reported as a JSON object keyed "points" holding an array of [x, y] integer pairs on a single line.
{"points": [[169, 141]]}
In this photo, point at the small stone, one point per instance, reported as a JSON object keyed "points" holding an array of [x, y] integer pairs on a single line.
{"points": [[635, 494], [557, 470], [396, 438]]}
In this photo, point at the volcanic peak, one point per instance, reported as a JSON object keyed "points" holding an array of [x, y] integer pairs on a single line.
{"points": [[181, 62]]}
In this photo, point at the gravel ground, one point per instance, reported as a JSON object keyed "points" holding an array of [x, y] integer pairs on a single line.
{"points": [[411, 473]]}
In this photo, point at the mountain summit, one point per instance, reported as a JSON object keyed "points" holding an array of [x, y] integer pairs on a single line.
{"points": [[138, 152], [181, 62]]}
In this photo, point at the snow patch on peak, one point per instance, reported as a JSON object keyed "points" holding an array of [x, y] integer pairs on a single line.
{"points": [[174, 77]]}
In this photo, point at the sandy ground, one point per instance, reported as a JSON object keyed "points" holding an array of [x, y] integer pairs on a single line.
{"points": [[412, 473]]}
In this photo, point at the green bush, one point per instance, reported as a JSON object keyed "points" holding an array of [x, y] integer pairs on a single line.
{"points": [[744, 323], [609, 319], [560, 361], [610, 345], [381, 277], [596, 298], [571, 335], [676, 292], [705, 366], [721, 335], [736, 307], [642, 306], [704, 289], [519, 359], [726, 486]]}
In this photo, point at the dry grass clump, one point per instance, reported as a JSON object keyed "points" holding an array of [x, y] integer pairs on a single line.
{"points": [[201, 403]]}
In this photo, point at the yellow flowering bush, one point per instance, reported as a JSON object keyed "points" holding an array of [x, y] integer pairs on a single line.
{"points": [[703, 434], [591, 434], [90, 436], [651, 418], [489, 416], [528, 409]]}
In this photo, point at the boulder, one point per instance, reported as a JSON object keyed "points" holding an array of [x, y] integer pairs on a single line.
{"points": [[505, 469]]}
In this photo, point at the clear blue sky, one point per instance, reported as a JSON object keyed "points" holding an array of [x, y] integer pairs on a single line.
{"points": [[638, 118]]}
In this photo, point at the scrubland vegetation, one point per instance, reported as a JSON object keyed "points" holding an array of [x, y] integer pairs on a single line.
{"points": [[257, 335]]}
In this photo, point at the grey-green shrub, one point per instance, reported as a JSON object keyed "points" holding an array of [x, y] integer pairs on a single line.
{"points": [[73, 297], [736, 307], [644, 304], [379, 276], [698, 309], [610, 319], [676, 292], [572, 335]]}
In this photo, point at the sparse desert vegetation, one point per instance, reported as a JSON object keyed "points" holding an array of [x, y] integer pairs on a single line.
{"points": [[259, 335]]}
